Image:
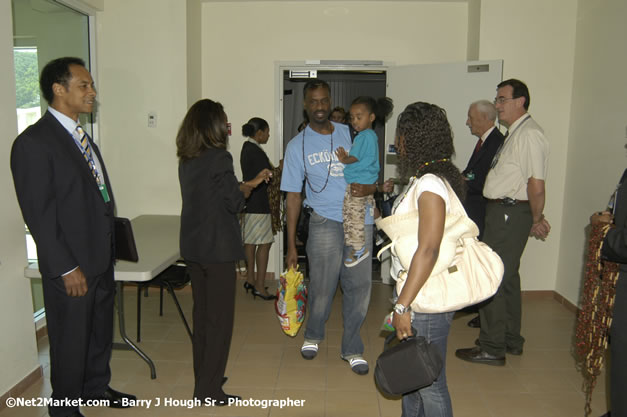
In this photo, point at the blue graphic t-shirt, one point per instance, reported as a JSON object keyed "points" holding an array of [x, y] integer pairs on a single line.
{"points": [[318, 154]]}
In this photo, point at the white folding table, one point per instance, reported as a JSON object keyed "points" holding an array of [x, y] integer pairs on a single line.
{"points": [[157, 241]]}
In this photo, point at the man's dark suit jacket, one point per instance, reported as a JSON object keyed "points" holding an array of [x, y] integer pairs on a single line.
{"points": [[478, 166], [210, 230], [60, 201]]}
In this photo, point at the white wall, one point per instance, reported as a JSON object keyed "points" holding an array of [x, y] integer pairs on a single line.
{"points": [[18, 350], [142, 68], [243, 40], [194, 51], [536, 40], [598, 120]]}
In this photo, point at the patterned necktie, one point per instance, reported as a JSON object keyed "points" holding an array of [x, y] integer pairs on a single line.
{"points": [[84, 141]]}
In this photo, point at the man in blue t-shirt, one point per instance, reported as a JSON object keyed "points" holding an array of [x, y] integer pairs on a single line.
{"points": [[310, 157]]}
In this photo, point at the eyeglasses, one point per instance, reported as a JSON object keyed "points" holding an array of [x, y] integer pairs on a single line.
{"points": [[501, 100]]}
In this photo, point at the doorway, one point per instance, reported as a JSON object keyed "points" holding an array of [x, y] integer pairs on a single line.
{"points": [[452, 86], [345, 85]]}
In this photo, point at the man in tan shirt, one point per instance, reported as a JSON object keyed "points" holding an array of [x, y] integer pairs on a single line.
{"points": [[515, 191]]}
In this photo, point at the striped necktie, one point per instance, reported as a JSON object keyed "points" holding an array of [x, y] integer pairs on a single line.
{"points": [[84, 141]]}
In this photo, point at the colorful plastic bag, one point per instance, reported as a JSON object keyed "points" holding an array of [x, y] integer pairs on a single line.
{"points": [[291, 301]]}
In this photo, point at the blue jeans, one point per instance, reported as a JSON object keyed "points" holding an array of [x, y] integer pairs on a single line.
{"points": [[326, 253], [434, 400]]}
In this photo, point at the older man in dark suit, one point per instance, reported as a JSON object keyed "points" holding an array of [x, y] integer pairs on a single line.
{"points": [[481, 117], [66, 200]]}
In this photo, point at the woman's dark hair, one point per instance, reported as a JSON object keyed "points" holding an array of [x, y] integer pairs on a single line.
{"points": [[57, 71], [253, 126], [519, 89], [203, 127], [381, 107], [427, 140]]}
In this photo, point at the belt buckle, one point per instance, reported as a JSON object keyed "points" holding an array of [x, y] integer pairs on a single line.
{"points": [[509, 201]]}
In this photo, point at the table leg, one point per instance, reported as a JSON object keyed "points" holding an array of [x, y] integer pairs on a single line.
{"points": [[128, 344]]}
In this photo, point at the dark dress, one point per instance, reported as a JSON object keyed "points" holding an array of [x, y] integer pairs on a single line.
{"points": [[252, 160]]}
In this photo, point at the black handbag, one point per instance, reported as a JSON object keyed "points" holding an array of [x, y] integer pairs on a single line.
{"points": [[387, 204], [407, 366]]}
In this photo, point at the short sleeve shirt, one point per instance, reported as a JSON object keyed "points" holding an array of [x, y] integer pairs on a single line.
{"points": [[366, 150], [525, 154], [313, 155]]}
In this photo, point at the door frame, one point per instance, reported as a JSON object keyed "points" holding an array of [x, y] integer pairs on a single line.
{"points": [[279, 68]]}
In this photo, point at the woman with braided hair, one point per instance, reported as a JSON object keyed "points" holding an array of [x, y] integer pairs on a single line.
{"points": [[424, 142]]}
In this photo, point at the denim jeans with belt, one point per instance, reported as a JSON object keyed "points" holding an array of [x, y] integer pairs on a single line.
{"points": [[326, 253], [434, 400]]}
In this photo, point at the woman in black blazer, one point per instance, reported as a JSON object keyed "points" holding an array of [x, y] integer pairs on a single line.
{"points": [[210, 239]]}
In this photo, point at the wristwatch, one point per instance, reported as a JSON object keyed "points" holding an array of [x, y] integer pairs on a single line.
{"points": [[401, 309]]}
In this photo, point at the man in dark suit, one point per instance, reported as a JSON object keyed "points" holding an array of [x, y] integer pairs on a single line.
{"points": [[481, 117], [66, 200], [615, 250]]}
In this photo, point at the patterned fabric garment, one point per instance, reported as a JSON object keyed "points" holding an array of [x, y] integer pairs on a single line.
{"points": [[274, 198], [354, 212]]}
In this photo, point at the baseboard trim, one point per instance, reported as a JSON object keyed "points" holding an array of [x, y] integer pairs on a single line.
{"points": [[551, 294], [42, 332], [21, 386]]}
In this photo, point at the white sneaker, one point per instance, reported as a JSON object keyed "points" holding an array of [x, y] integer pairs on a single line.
{"points": [[309, 350], [358, 365]]}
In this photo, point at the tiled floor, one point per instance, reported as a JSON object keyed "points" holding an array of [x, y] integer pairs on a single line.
{"points": [[265, 364]]}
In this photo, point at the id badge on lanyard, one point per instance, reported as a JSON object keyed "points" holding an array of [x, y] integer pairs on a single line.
{"points": [[105, 194]]}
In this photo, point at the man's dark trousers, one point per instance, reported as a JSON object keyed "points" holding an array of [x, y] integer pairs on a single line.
{"points": [[506, 232]]}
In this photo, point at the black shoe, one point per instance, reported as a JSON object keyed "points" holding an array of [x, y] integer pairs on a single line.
{"points": [[248, 286], [514, 351], [510, 350], [115, 398], [475, 323], [265, 297], [477, 355], [225, 400]]}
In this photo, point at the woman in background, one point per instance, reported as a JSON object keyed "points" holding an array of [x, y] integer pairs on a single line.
{"points": [[210, 239], [257, 225], [424, 142]]}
